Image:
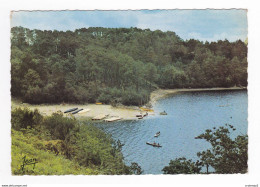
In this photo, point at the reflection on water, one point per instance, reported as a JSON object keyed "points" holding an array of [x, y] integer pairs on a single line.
{"points": [[189, 114]]}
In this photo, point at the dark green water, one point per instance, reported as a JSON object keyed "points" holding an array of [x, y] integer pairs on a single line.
{"points": [[189, 114]]}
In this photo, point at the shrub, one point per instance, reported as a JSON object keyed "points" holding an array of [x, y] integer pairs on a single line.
{"points": [[58, 125], [24, 118]]}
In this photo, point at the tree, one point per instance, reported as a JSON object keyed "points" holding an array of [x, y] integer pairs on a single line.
{"points": [[225, 156], [182, 165], [150, 73], [75, 66], [136, 169]]}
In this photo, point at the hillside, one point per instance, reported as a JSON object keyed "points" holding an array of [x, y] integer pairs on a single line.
{"points": [[117, 65]]}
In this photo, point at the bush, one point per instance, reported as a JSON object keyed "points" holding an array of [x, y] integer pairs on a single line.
{"points": [[182, 165], [24, 118], [84, 144], [58, 125], [132, 97]]}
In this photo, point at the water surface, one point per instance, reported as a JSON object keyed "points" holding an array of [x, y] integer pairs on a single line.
{"points": [[189, 114]]}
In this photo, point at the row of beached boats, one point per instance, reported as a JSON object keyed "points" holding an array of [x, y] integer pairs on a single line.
{"points": [[98, 117], [105, 118]]}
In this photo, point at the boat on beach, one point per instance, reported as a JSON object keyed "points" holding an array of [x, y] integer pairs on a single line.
{"points": [[157, 134], [112, 119], [100, 117], [83, 111], [75, 112], [70, 110], [153, 144], [141, 116], [146, 109]]}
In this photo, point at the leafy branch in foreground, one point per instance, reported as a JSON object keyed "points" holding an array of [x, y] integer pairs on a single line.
{"points": [[225, 156]]}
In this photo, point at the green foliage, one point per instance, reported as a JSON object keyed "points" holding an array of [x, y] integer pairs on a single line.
{"points": [[91, 147], [48, 163], [87, 65], [182, 166], [63, 145], [135, 169], [59, 126], [24, 118], [225, 156]]}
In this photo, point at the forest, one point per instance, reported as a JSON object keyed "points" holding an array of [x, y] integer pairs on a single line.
{"points": [[117, 65]]}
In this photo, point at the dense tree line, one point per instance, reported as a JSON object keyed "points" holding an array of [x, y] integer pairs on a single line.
{"points": [[117, 65]]}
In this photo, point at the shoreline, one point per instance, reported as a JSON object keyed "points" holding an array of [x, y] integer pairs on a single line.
{"points": [[123, 112], [162, 93]]}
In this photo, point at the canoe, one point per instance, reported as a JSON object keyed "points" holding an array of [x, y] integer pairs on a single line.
{"points": [[83, 111], [75, 112], [153, 144], [157, 134], [70, 110], [139, 115]]}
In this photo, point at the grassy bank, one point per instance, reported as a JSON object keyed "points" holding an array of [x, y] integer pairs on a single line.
{"points": [[59, 145]]}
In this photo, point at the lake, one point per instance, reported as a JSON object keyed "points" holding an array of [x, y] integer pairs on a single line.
{"points": [[189, 115]]}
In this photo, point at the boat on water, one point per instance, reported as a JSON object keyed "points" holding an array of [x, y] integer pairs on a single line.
{"points": [[157, 134], [75, 112], [163, 113], [154, 144], [70, 110]]}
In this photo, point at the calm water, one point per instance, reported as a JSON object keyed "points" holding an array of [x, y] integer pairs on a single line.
{"points": [[189, 114]]}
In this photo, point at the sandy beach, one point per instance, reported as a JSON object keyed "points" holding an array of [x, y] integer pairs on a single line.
{"points": [[94, 110], [123, 112]]}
